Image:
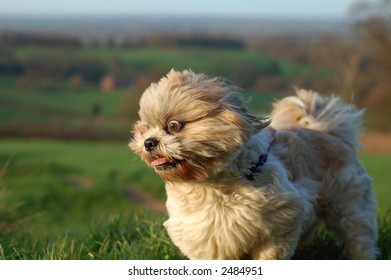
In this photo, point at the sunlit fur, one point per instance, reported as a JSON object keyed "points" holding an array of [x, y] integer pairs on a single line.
{"points": [[312, 172]]}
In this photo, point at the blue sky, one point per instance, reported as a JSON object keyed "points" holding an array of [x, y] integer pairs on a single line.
{"points": [[280, 8]]}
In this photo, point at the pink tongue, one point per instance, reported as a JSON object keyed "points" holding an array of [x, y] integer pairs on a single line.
{"points": [[159, 161]]}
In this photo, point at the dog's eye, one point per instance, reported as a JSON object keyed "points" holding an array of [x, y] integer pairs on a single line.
{"points": [[174, 126]]}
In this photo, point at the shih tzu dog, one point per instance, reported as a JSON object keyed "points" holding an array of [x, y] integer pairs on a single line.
{"points": [[239, 185]]}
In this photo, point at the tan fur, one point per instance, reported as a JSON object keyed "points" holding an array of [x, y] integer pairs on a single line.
{"points": [[217, 210]]}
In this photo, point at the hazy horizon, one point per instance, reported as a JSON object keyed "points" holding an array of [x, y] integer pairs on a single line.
{"points": [[245, 8], [139, 26]]}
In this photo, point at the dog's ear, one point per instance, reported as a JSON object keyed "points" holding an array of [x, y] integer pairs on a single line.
{"points": [[260, 123]]}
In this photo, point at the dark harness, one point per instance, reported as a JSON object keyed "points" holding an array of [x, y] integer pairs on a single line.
{"points": [[256, 168]]}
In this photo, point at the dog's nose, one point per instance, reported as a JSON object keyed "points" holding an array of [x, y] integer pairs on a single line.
{"points": [[150, 143]]}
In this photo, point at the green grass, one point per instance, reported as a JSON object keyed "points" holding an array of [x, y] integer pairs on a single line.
{"points": [[64, 102], [41, 174], [85, 114], [379, 166], [138, 237], [260, 104], [43, 215], [142, 237]]}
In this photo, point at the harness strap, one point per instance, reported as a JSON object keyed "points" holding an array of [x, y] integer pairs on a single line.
{"points": [[256, 168]]}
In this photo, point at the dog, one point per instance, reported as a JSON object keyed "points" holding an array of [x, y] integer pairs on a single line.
{"points": [[245, 186]]}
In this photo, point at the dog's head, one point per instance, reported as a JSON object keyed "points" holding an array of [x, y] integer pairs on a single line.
{"points": [[190, 126]]}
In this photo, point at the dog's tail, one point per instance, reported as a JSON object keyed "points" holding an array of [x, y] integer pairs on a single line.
{"points": [[328, 114]]}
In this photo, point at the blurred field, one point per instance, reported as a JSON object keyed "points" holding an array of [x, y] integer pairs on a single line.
{"points": [[62, 98], [145, 59], [69, 184]]}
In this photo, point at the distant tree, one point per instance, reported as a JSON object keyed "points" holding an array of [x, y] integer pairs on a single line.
{"points": [[190, 40], [373, 21], [9, 64], [13, 39], [346, 60]]}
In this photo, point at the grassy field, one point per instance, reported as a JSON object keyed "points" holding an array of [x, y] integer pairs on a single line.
{"points": [[66, 200]]}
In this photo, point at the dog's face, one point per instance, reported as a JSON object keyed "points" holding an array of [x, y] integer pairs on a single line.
{"points": [[190, 126]]}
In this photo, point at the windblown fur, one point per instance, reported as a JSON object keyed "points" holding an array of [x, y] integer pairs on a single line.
{"points": [[239, 186], [327, 114]]}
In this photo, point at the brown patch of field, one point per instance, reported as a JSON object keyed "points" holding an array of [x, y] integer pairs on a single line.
{"points": [[378, 143], [144, 200]]}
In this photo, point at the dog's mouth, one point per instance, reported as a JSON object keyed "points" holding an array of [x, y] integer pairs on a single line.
{"points": [[163, 164]]}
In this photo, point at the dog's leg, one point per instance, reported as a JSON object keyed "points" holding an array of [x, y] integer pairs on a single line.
{"points": [[280, 248], [352, 214], [358, 234]]}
